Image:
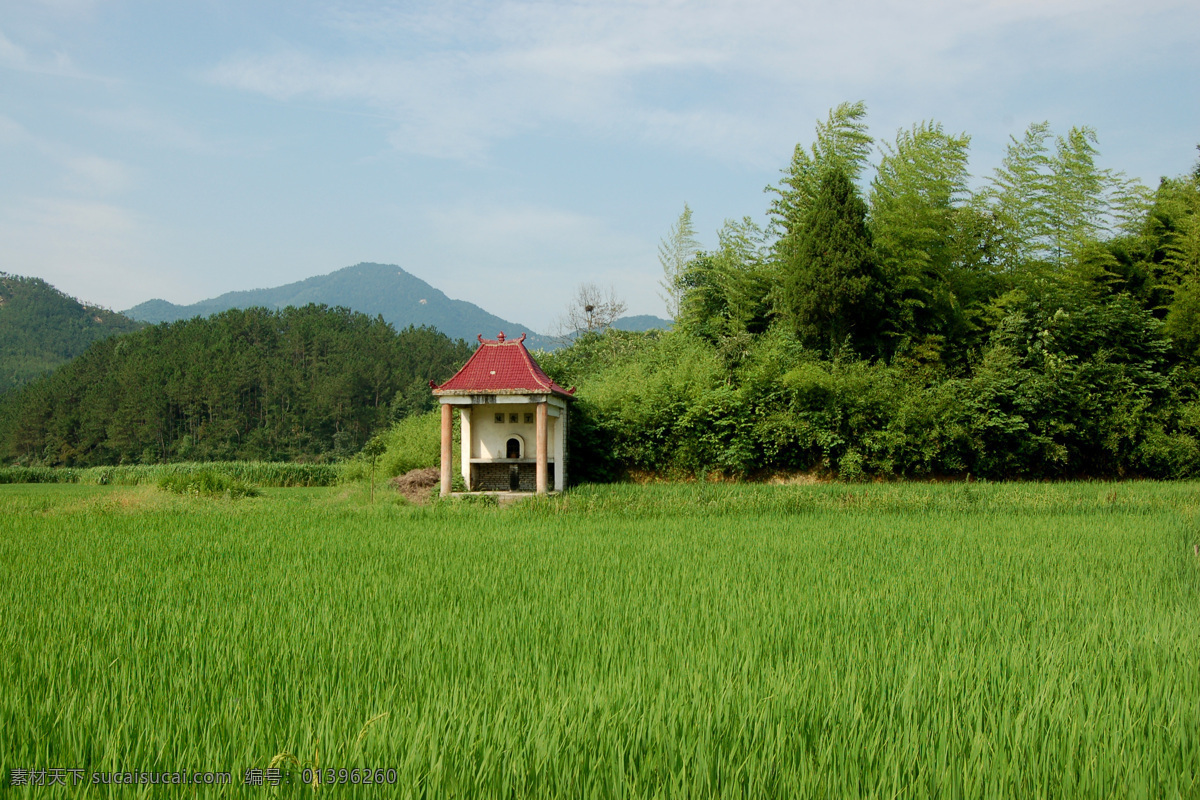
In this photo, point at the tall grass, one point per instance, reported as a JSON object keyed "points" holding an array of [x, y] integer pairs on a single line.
{"points": [[208, 483], [263, 473], [696, 641]]}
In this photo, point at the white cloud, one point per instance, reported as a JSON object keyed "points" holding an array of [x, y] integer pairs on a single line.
{"points": [[80, 173], [56, 63], [16, 57], [12, 132], [95, 175], [11, 54], [457, 77], [735, 81]]}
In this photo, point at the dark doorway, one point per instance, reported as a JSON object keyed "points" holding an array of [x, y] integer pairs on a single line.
{"points": [[514, 478], [513, 448]]}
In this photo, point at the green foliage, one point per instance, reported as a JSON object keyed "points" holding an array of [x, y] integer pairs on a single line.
{"points": [[642, 399], [1170, 228], [728, 292], [1043, 327], [925, 237], [674, 252], [1051, 205], [831, 287], [1172, 233], [1063, 388], [1017, 195], [10, 475], [703, 304], [842, 143], [1183, 319], [412, 443], [207, 483], [311, 383]]}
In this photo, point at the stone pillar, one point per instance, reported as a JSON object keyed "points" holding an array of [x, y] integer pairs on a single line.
{"points": [[560, 450], [447, 442], [464, 430], [542, 471]]}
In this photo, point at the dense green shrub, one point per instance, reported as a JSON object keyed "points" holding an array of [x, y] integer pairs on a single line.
{"points": [[1069, 388], [412, 443]]}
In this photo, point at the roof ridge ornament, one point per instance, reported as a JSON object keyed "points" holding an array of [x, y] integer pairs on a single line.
{"points": [[500, 366]]}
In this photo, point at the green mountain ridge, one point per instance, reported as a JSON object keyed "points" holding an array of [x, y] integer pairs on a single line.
{"points": [[377, 289], [373, 289], [42, 328], [642, 322]]}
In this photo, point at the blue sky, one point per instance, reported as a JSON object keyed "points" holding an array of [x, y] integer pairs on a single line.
{"points": [[508, 151]]}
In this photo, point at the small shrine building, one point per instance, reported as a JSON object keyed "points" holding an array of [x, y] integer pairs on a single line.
{"points": [[513, 421]]}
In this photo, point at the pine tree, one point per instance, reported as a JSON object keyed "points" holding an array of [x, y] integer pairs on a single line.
{"points": [[831, 282], [842, 142]]}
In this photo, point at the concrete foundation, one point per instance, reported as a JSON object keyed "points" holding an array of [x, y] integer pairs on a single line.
{"points": [[501, 477]]}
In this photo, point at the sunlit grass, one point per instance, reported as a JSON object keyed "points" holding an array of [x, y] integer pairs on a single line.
{"points": [[1013, 640], [264, 473]]}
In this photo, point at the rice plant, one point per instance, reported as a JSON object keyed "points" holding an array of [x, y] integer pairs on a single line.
{"points": [[657, 641]]}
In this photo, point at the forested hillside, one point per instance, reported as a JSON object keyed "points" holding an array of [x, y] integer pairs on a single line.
{"points": [[41, 328], [308, 383], [1044, 324]]}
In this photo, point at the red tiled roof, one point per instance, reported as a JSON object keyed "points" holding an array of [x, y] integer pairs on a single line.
{"points": [[500, 367]]}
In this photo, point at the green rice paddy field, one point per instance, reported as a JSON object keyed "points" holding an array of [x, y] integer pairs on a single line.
{"points": [[703, 640]]}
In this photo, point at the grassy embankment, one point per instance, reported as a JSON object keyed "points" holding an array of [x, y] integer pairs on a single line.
{"points": [[701, 640]]}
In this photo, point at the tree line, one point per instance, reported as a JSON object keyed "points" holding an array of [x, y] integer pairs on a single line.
{"points": [[308, 383], [1043, 324]]}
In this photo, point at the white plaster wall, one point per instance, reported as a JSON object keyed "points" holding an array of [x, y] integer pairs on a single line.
{"points": [[489, 437]]}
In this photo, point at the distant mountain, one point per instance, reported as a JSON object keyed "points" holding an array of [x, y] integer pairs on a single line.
{"points": [[41, 328], [638, 323], [642, 322], [374, 289]]}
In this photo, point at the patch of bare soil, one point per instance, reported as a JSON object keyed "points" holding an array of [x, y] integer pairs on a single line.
{"points": [[796, 479], [416, 484]]}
